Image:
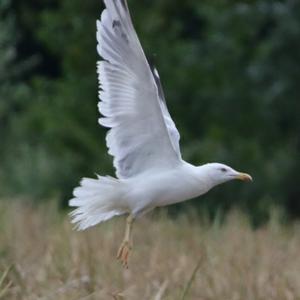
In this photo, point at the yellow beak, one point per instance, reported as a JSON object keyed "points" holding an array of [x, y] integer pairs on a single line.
{"points": [[244, 177]]}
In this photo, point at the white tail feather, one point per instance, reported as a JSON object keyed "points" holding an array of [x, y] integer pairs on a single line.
{"points": [[97, 200]]}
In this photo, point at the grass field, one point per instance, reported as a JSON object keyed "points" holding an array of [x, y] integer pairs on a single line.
{"points": [[42, 258]]}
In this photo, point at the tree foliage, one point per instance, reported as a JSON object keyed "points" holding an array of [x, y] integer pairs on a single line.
{"points": [[230, 74]]}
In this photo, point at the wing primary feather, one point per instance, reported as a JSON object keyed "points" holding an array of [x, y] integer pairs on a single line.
{"points": [[131, 98]]}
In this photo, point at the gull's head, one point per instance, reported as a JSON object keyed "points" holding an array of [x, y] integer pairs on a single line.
{"points": [[220, 173]]}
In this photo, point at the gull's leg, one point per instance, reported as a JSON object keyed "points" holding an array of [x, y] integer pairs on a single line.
{"points": [[126, 245]]}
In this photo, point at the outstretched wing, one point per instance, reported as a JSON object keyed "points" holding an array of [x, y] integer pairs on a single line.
{"points": [[142, 135]]}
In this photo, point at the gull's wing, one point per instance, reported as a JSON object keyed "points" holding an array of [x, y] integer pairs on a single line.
{"points": [[143, 134]]}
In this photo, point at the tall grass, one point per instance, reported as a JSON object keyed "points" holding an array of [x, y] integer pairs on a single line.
{"points": [[42, 258]]}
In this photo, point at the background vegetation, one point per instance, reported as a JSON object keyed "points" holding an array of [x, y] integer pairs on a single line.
{"points": [[230, 71]]}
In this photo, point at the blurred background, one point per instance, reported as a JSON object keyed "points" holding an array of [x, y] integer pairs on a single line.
{"points": [[230, 71]]}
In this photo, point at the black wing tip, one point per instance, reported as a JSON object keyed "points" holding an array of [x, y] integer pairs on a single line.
{"points": [[156, 77], [151, 62]]}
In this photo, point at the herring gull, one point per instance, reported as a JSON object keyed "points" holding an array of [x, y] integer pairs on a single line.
{"points": [[142, 137]]}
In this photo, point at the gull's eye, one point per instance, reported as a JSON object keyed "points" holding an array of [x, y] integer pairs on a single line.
{"points": [[223, 170]]}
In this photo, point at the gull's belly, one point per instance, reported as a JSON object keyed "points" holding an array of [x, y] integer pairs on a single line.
{"points": [[163, 188]]}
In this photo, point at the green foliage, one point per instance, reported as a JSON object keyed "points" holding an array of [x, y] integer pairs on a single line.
{"points": [[13, 93], [230, 74]]}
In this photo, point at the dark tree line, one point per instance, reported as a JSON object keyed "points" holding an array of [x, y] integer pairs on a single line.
{"points": [[230, 71]]}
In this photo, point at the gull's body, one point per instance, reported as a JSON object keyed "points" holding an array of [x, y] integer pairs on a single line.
{"points": [[143, 193], [143, 138], [165, 188]]}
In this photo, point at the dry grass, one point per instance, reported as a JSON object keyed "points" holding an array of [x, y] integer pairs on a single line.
{"points": [[42, 258]]}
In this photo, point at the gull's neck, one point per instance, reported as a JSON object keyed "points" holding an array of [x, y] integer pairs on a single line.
{"points": [[204, 175]]}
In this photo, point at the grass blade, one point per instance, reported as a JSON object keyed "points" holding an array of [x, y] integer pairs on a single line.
{"points": [[192, 278]]}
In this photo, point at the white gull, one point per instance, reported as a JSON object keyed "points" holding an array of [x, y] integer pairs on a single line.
{"points": [[143, 138]]}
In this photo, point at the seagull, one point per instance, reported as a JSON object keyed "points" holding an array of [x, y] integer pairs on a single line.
{"points": [[142, 137]]}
